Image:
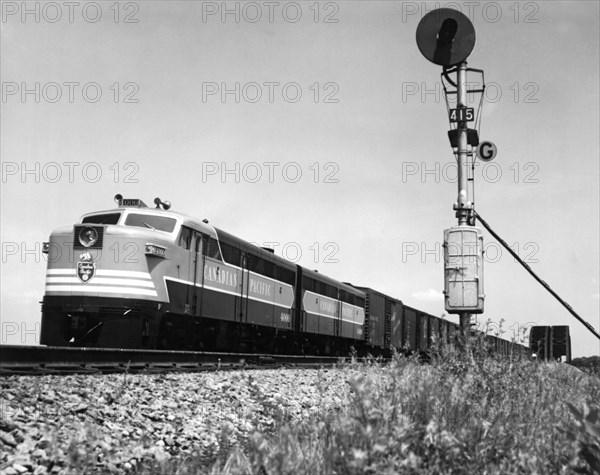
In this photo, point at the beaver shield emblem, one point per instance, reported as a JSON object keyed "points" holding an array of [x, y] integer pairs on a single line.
{"points": [[86, 268]]}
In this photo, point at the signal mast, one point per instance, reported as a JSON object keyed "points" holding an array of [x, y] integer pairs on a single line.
{"points": [[446, 37]]}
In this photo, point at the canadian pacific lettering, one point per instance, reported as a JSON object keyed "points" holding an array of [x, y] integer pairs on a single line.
{"points": [[221, 275]]}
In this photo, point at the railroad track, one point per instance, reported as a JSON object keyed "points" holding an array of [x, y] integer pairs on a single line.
{"points": [[42, 360]]}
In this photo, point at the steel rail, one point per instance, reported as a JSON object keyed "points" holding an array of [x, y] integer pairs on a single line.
{"points": [[40, 360]]}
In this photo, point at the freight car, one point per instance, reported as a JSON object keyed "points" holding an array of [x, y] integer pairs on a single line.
{"points": [[140, 277]]}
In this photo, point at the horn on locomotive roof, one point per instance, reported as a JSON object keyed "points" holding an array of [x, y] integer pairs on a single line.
{"points": [[164, 204]]}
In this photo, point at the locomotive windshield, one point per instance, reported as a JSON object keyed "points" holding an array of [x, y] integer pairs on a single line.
{"points": [[109, 218], [157, 223]]}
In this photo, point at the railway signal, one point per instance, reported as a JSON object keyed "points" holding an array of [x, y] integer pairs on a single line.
{"points": [[446, 37]]}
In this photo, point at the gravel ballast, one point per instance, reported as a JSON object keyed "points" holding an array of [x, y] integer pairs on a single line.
{"points": [[51, 424]]}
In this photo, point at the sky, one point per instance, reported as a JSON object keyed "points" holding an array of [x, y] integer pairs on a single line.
{"points": [[317, 127]]}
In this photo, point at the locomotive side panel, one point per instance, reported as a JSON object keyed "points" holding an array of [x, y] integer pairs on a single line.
{"points": [[267, 300], [283, 301], [262, 308], [353, 313], [349, 313], [331, 309], [320, 305], [322, 313], [359, 321], [265, 292]]}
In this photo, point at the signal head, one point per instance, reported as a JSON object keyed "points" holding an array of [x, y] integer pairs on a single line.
{"points": [[445, 36]]}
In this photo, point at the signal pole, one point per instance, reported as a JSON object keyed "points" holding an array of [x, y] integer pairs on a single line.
{"points": [[446, 37], [463, 205]]}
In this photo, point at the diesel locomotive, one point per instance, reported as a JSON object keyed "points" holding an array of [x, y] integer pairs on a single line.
{"points": [[141, 277]]}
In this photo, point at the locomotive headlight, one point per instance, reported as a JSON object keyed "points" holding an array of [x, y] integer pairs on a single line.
{"points": [[88, 237]]}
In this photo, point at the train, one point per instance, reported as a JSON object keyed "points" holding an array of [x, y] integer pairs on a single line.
{"points": [[142, 277]]}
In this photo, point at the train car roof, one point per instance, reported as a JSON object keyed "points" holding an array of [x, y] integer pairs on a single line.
{"points": [[377, 292], [137, 205], [229, 238], [314, 274], [224, 236]]}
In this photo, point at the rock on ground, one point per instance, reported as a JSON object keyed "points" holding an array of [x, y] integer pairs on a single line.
{"points": [[50, 424]]}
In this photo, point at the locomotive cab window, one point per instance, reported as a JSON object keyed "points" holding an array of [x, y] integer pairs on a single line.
{"points": [[156, 223], [185, 238], [107, 218], [212, 248]]}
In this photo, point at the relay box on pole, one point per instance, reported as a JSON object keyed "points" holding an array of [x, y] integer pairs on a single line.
{"points": [[463, 269]]}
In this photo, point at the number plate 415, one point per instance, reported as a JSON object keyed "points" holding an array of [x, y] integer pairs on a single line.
{"points": [[465, 114]]}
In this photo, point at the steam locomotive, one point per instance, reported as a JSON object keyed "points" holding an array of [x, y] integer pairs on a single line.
{"points": [[141, 277]]}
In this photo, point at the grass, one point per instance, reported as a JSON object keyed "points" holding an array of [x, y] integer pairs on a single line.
{"points": [[460, 413]]}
